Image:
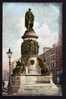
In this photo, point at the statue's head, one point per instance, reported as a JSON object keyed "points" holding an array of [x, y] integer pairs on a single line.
{"points": [[29, 9]]}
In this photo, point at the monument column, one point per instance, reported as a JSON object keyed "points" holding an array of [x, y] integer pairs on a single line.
{"points": [[29, 46]]}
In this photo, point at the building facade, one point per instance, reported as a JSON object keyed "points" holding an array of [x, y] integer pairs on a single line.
{"points": [[53, 58]]}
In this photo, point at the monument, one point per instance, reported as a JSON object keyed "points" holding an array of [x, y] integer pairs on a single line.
{"points": [[29, 46], [35, 76], [29, 57]]}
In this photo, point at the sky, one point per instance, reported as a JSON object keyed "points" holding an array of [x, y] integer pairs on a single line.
{"points": [[47, 25]]}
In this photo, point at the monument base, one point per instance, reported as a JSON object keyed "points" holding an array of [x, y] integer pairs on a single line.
{"points": [[36, 85], [33, 85], [33, 79]]}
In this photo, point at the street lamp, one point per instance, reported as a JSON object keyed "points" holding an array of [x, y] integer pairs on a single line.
{"points": [[9, 53]]}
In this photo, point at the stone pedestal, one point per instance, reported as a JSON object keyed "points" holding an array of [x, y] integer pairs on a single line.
{"points": [[29, 46], [27, 87]]}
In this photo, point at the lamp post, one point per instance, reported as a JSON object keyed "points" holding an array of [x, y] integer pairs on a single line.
{"points": [[9, 53]]}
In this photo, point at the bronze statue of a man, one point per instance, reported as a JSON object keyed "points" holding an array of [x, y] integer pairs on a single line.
{"points": [[29, 20]]}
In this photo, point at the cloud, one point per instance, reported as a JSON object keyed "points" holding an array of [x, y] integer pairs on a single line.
{"points": [[17, 50], [46, 37], [21, 25], [44, 31]]}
